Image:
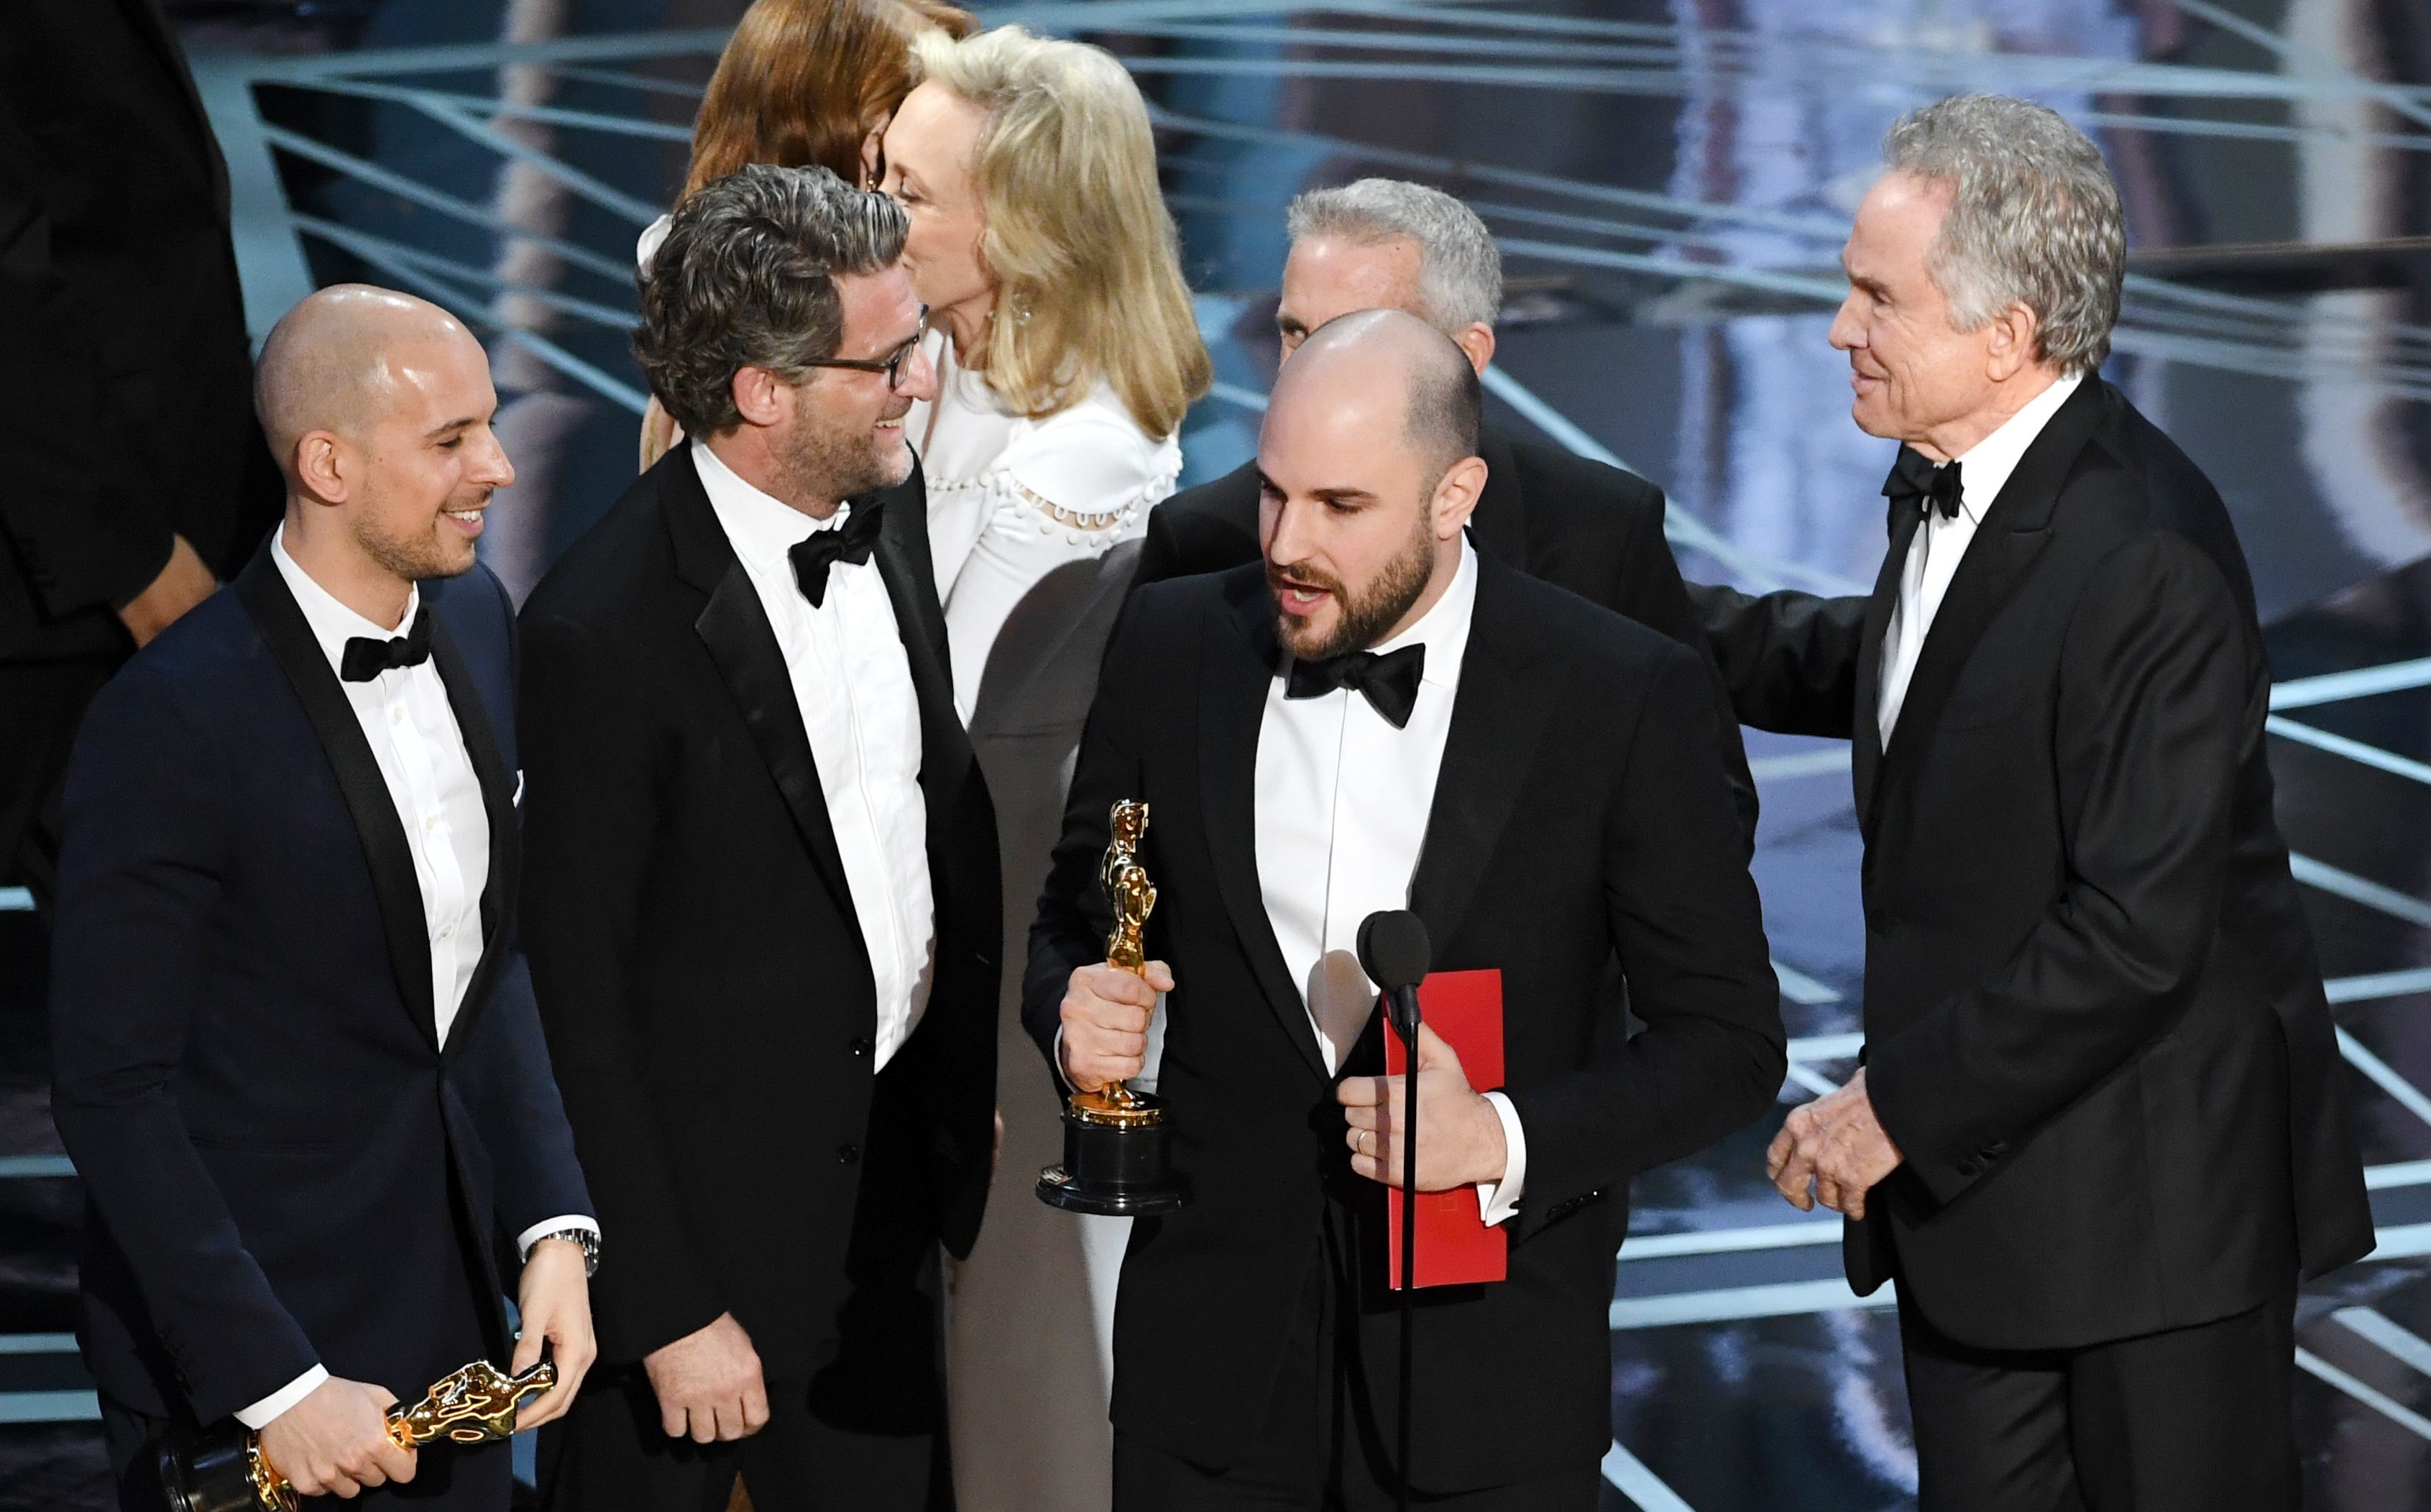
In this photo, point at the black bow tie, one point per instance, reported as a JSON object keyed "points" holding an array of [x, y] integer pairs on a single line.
{"points": [[1916, 482], [1389, 682], [851, 543], [366, 657]]}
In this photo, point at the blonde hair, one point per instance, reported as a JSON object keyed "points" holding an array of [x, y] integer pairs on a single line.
{"points": [[1084, 256]]}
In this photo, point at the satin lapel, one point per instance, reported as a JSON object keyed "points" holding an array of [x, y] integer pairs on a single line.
{"points": [[1866, 739], [1499, 525], [283, 629], [1236, 668], [743, 646], [903, 564], [1498, 718], [498, 802], [2016, 528]]}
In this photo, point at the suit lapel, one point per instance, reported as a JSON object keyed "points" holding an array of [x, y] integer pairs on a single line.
{"points": [[2015, 529], [743, 646], [1234, 672], [1499, 714], [284, 630], [1866, 739], [903, 565], [498, 802]]}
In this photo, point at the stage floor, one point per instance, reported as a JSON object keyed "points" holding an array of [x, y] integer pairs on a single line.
{"points": [[1670, 182]]}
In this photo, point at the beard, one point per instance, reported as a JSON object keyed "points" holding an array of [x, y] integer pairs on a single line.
{"points": [[1364, 616], [417, 557], [827, 458]]}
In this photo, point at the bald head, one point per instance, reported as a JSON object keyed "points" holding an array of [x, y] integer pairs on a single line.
{"points": [[1374, 353], [343, 359], [377, 406]]}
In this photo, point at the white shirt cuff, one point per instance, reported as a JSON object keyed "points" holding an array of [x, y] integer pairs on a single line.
{"points": [[1498, 1200], [259, 1416], [558, 1224]]}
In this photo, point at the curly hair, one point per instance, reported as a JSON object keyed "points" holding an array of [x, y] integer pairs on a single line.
{"points": [[746, 278]]}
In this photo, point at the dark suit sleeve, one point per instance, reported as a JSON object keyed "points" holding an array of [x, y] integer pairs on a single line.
{"points": [[146, 831], [1073, 919], [1689, 931], [1160, 555], [86, 534], [535, 1173], [2161, 697], [1790, 660], [1652, 594], [590, 811]]}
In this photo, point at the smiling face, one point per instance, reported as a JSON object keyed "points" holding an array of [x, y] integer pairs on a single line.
{"points": [[1915, 376], [841, 430], [421, 468], [929, 147]]}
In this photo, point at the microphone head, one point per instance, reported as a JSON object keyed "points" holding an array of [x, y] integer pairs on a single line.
{"points": [[1393, 949]]}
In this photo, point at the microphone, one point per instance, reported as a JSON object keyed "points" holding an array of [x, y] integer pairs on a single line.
{"points": [[1395, 953]]}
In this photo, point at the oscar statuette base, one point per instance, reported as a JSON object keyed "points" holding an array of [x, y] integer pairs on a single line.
{"points": [[1114, 1163]]}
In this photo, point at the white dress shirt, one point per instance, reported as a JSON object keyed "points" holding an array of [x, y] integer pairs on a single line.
{"points": [[853, 684], [413, 732], [1342, 800], [1939, 544]]}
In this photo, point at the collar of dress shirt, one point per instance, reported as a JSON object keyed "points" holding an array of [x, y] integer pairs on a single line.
{"points": [[333, 623], [1444, 628], [1986, 465], [759, 525]]}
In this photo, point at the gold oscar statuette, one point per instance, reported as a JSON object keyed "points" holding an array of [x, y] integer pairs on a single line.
{"points": [[1115, 1139], [226, 1470]]}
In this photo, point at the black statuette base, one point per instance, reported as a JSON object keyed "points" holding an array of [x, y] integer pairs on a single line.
{"points": [[208, 1471], [1112, 1170]]}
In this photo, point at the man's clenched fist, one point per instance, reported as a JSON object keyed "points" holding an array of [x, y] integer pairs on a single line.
{"points": [[335, 1442], [1106, 1011]]}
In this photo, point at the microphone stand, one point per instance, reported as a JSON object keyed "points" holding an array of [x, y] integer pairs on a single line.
{"points": [[1404, 1002]]}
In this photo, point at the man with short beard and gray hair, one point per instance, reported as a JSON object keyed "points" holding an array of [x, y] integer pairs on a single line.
{"points": [[763, 897], [2098, 1131]]}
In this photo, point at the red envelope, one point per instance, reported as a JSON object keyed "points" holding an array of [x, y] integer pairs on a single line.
{"points": [[1455, 1247]]}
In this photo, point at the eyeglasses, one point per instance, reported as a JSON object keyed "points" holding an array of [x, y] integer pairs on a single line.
{"points": [[891, 364]]}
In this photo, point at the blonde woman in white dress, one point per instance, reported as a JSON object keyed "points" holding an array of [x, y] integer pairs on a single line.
{"points": [[1067, 353]]}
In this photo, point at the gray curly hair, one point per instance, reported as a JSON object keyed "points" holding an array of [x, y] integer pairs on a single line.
{"points": [[747, 278], [1460, 269], [2034, 220]]}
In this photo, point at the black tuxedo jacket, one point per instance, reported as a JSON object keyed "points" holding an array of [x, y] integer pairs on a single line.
{"points": [[700, 966], [2094, 1022], [1576, 524], [122, 327], [282, 1163], [1580, 815]]}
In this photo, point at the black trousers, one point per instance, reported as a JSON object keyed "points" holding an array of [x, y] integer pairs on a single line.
{"points": [[1319, 1444], [865, 1434], [41, 702], [2194, 1419]]}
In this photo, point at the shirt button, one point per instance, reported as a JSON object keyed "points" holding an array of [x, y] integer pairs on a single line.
{"points": [[861, 1045], [847, 1154], [447, 931], [430, 822], [397, 716]]}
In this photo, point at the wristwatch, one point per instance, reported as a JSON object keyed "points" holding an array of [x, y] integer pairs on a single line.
{"points": [[588, 1239]]}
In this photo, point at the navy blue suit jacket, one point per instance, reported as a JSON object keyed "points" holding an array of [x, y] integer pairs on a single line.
{"points": [[281, 1162]]}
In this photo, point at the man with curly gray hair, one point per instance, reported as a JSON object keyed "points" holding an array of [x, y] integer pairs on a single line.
{"points": [[2098, 1132], [761, 891]]}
